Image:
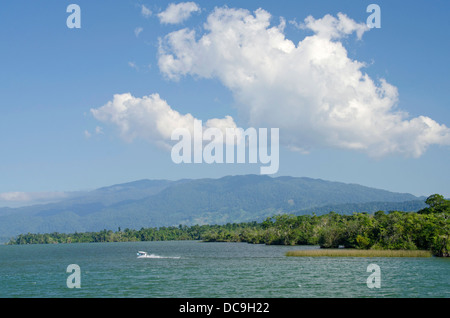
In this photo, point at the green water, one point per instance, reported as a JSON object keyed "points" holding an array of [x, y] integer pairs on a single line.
{"points": [[218, 270]]}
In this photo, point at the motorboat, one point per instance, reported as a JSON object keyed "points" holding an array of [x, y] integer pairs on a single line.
{"points": [[141, 254]]}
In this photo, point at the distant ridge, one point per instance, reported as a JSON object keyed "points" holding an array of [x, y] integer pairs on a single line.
{"points": [[241, 198]]}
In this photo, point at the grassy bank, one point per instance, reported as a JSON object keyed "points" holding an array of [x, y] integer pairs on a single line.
{"points": [[344, 252]]}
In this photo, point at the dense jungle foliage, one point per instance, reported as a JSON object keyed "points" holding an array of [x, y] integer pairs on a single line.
{"points": [[427, 229]]}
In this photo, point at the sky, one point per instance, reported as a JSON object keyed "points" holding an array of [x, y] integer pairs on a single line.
{"points": [[95, 104]]}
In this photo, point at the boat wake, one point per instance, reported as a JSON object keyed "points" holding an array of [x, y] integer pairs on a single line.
{"points": [[145, 255], [158, 256]]}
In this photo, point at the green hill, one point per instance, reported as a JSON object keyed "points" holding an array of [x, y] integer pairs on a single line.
{"points": [[154, 203]]}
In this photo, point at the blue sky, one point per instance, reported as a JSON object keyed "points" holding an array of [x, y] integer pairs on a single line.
{"points": [[53, 77]]}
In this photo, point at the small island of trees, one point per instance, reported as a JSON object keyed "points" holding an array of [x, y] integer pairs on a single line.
{"points": [[427, 229]]}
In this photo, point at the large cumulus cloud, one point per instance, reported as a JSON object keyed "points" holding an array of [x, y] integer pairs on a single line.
{"points": [[151, 118], [312, 90]]}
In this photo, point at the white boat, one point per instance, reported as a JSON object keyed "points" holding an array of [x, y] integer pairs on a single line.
{"points": [[141, 254]]}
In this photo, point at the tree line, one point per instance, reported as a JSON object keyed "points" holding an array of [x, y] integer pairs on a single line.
{"points": [[427, 229]]}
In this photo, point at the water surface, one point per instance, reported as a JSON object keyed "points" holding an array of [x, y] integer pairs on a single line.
{"points": [[219, 270]]}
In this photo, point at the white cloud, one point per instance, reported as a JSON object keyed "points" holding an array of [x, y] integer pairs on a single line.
{"points": [[138, 31], [177, 13], [31, 196], [139, 68], [99, 130], [146, 12], [133, 65], [150, 118], [312, 90], [334, 28], [87, 134]]}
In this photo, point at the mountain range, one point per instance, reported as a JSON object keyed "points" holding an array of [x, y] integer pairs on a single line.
{"points": [[156, 203]]}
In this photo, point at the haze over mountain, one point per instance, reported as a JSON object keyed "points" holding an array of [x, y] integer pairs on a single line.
{"points": [[156, 203]]}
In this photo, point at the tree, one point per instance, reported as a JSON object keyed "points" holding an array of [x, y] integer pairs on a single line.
{"points": [[441, 246], [437, 204]]}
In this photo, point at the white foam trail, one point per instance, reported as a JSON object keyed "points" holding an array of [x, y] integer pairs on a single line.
{"points": [[158, 256]]}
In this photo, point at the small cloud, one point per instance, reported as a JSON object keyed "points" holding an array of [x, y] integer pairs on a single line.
{"points": [[330, 27], [146, 12], [137, 31], [177, 13], [295, 24], [87, 134], [133, 65], [99, 130], [31, 196], [143, 68]]}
